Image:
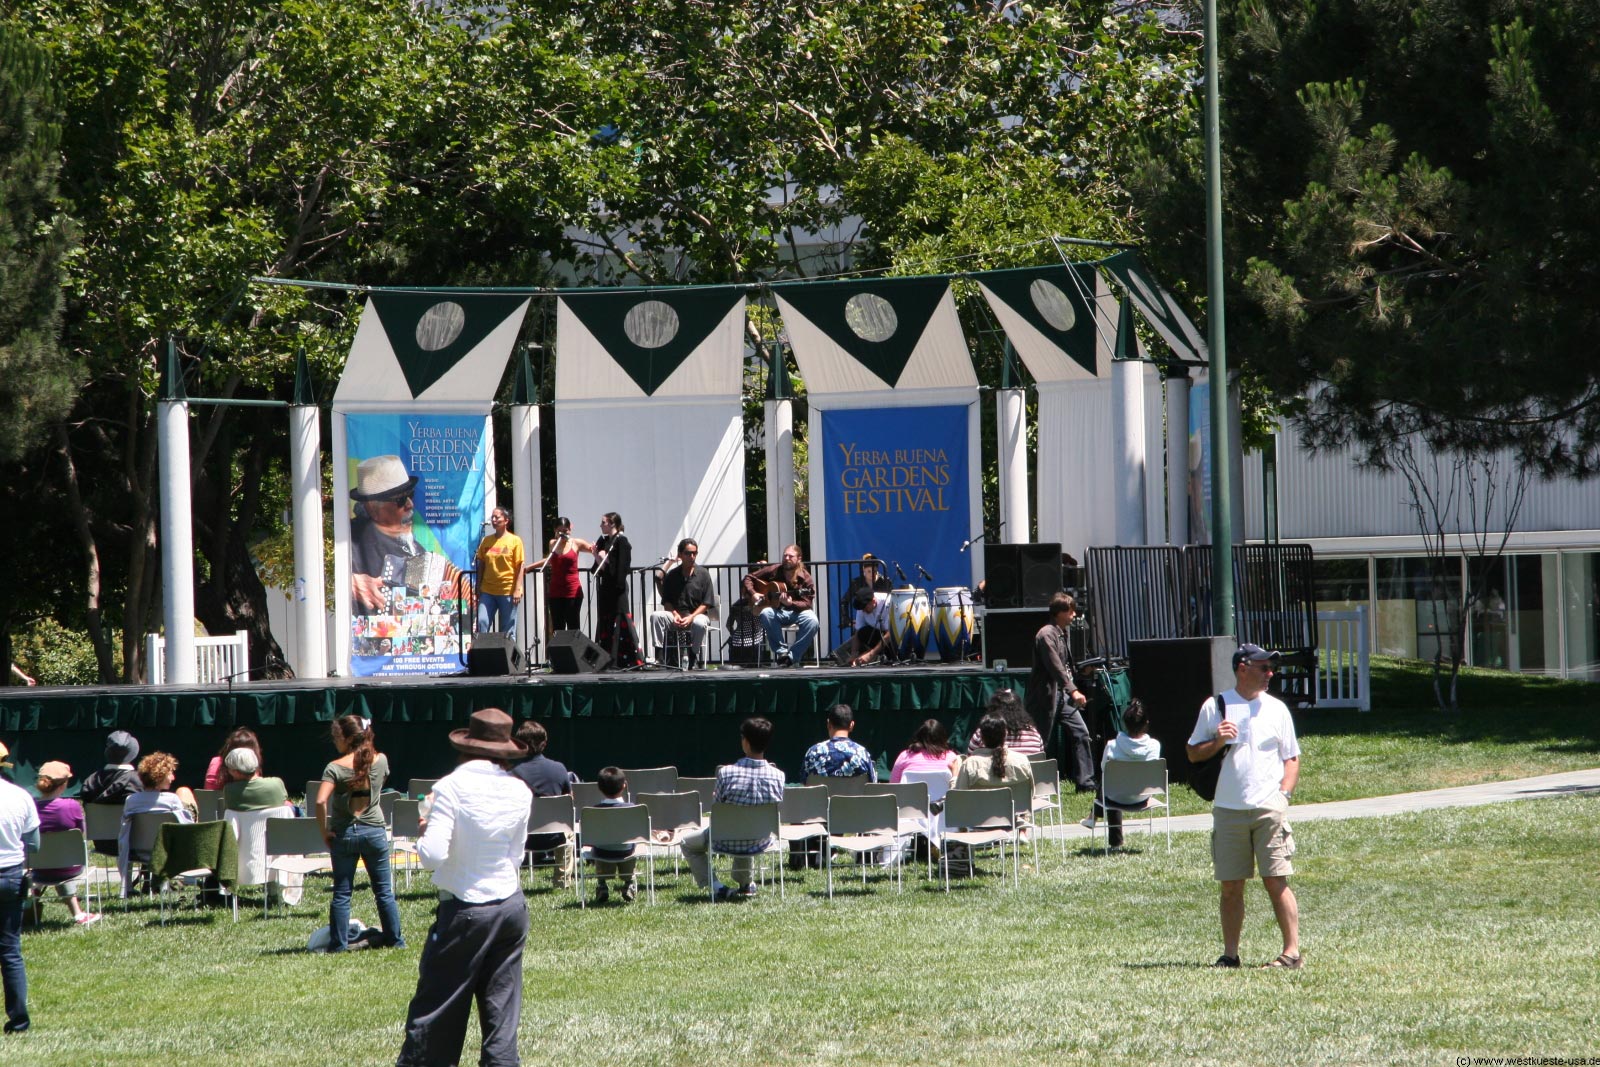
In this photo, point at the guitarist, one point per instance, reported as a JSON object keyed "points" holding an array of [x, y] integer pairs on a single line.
{"points": [[786, 593]]}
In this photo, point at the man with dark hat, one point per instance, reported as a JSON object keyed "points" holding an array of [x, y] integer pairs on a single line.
{"points": [[472, 841]]}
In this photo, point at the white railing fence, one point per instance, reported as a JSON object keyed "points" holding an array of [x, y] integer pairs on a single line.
{"points": [[1344, 678], [216, 659]]}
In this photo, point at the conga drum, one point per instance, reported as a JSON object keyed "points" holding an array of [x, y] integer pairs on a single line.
{"points": [[909, 622], [953, 622]]}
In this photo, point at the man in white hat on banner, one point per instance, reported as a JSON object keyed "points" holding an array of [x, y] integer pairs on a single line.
{"points": [[380, 531]]}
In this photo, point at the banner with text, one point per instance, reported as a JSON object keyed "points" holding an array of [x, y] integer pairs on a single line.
{"points": [[896, 485], [417, 484]]}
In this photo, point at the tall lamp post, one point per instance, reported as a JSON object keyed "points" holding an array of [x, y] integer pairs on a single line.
{"points": [[1216, 341]]}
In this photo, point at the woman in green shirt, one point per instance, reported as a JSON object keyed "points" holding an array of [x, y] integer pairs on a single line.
{"points": [[352, 824]]}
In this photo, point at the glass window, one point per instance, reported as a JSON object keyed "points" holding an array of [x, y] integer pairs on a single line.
{"points": [[1340, 584], [1415, 608], [1581, 596]]}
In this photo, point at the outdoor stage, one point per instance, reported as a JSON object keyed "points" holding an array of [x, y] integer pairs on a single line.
{"points": [[637, 719]]}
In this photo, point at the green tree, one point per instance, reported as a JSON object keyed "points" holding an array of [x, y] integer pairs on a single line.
{"points": [[1412, 218], [37, 378]]}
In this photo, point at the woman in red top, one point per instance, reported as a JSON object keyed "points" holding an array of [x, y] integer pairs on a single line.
{"points": [[563, 591]]}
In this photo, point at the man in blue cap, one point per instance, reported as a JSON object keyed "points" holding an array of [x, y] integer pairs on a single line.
{"points": [[1250, 815]]}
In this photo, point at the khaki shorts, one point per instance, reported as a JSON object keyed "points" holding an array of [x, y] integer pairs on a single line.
{"points": [[1242, 840]]}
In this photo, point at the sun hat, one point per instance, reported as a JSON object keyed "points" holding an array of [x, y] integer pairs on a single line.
{"points": [[382, 478], [488, 736]]}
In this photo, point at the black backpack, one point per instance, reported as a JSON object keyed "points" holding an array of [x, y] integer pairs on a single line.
{"points": [[1203, 775]]}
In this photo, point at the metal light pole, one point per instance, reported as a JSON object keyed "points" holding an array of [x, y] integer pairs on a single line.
{"points": [[1216, 340]]}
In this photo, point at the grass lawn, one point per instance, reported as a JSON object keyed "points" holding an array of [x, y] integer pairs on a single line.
{"points": [[1427, 937]]}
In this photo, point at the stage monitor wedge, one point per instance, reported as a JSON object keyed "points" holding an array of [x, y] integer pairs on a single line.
{"points": [[571, 652], [493, 655]]}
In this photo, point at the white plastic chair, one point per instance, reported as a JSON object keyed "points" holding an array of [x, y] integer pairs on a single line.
{"points": [[614, 826], [978, 817], [862, 824], [739, 823], [1134, 787]]}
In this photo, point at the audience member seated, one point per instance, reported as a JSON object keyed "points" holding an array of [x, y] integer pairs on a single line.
{"points": [[1022, 736], [217, 774], [615, 863], [156, 772], [117, 780], [929, 750], [248, 791], [546, 778], [750, 781], [999, 764], [57, 813], [1132, 743], [838, 756]]}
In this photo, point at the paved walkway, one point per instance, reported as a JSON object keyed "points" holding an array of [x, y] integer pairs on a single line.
{"points": [[1466, 796]]}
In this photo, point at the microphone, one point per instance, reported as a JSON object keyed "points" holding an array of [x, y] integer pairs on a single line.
{"points": [[900, 572], [925, 575], [974, 539]]}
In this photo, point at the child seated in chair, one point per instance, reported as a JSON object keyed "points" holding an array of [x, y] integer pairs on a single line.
{"points": [[616, 863], [1133, 743]]}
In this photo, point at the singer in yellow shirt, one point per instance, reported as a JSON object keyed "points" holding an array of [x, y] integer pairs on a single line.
{"points": [[499, 576]]}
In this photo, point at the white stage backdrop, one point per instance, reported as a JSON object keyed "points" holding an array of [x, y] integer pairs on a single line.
{"points": [[648, 418]]}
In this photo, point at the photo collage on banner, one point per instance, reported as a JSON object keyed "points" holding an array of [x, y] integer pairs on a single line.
{"points": [[896, 485], [417, 501]]}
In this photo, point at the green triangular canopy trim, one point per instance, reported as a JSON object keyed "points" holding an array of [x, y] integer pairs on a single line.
{"points": [[400, 314], [699, 312], [1173, 326], [914, 301], [1015, 287]]}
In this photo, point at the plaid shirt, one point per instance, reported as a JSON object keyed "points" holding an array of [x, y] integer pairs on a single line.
{"points": [[749, 781], [839, 757]]}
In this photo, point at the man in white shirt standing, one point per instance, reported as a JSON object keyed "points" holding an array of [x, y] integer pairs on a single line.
{"points": [[1250, 824], [19, 835], [472, 841]]}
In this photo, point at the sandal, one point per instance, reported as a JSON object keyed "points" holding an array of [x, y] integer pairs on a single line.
{"points": [[1284, 961]]}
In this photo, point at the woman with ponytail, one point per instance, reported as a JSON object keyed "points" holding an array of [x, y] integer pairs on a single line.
{"points": [[1000, 765], [352, 824]]}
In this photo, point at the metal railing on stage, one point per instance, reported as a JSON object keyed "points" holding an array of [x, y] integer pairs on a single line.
{"points": [[1164, 592], [735, 635]]}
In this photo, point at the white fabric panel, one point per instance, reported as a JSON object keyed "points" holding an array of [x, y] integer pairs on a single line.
{"points": [[677, 471], [1155, 486], [939, 361], [585, 370], [1076, 457], [1043, 357], [372, 374]]}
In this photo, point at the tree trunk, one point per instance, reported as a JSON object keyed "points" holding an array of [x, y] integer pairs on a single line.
{"points": [[105, 666]]}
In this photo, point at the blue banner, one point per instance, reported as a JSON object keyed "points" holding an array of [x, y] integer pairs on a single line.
{"points": [[896, 486], [417, 497]]}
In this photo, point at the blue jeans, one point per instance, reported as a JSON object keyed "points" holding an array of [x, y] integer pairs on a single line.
{"points": [[13, 894], [370, 845], [773, 620], [497, 612]]}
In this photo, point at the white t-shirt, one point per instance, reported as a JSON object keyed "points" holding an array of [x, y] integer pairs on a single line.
{"points": [[877, 616], [1252, 771], [18, 815]]}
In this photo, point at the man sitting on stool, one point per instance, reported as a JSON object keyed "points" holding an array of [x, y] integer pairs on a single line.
{"points": [[686, 598], [789, 605]]}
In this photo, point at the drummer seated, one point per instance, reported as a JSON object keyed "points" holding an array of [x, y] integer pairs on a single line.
{"points": [[872, 626]]}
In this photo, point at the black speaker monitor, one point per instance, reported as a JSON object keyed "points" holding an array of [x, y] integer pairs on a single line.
{"points": [[1041, 573], [1002, 576], [492, 655], [1172, 678], [573, 653]]}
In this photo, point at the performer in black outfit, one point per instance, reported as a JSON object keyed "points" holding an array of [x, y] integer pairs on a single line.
{"points": [[613, 621]]}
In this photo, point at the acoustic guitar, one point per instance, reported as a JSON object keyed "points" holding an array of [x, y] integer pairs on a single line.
{"points": [[767, 593]]}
